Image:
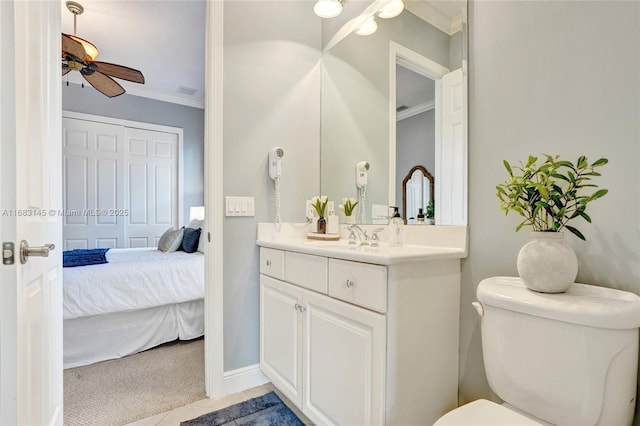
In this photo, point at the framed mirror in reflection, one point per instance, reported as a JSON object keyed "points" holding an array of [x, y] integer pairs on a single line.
{"points": [[397, 97], [417, 196]]}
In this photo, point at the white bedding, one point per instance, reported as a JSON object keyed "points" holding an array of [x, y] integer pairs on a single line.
{"points": [[134, 279]]}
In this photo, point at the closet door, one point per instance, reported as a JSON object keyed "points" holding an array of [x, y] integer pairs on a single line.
{"points": [[151, 185], [121, 184], [93, 170]]}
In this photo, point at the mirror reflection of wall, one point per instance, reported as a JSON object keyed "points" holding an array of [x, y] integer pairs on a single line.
{"points": [[415, 134], [358, 112]]}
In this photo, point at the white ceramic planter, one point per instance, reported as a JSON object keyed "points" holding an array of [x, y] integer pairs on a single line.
{"points": [[350, 220], [547, 263]]}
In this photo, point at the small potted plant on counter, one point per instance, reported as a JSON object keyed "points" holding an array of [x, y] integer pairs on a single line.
{"points": [[548, 196], [319, 204], [347, 207]]}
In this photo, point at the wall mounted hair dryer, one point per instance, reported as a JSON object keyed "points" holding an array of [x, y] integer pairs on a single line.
{"points": [[275, 162], [362, 168]]}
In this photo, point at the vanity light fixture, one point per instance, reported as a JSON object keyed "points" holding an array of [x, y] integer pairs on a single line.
{"points": [[328, 8], [391, 10], [368, 27]]}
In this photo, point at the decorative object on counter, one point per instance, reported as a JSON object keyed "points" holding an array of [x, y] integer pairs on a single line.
{"points": [[396, 229], [420, 216], [323, 237], [319, 204], [548, 196], [347, 207], [429, 214]]}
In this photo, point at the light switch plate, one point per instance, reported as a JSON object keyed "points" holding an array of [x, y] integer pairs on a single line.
{"points": [[240, 206]]}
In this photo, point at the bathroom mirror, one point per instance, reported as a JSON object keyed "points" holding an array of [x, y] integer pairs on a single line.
{"points": [[368, 107], [417, 193]]}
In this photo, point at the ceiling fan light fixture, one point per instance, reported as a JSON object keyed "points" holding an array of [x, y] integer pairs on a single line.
{"points": [[328, 8], [391, 10], [368, 27], [90, 49]]}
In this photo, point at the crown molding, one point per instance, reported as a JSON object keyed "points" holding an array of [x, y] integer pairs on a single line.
{"points": [[158, 96], [415, 110], [430, 14]]}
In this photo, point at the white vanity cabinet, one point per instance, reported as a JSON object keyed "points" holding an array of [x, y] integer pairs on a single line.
{"points": [[354, 343]]}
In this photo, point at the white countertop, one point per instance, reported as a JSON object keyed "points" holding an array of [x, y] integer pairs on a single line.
{"points": [[428, 243], [383, 255]]}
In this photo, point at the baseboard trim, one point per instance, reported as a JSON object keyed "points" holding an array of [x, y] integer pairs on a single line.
{"points": [[243, 378]]}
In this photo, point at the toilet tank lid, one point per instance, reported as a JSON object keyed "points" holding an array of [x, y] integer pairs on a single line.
{"points": [[582, 304]]}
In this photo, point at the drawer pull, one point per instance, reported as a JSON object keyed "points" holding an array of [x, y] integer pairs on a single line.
{"points": [[268, 262], [350, 283]]}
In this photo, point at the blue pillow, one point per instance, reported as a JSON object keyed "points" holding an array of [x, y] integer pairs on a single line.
{"points": [[190, 239]]}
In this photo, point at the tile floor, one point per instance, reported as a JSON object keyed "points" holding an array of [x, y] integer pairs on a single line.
{"points": [[198, 408]]}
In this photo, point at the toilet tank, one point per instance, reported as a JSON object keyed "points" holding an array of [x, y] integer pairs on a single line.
{"points": [[568, 358]]}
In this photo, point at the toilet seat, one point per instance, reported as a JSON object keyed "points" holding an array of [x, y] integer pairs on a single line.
{"points": [[484, 413]]}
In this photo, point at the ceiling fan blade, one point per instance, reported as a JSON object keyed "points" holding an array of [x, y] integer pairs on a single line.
{"points": [[65, 69], [104, 84], [120, 71], [72, 47]]}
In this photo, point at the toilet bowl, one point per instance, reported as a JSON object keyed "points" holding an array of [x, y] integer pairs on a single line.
{"points": [[483, 412], [555, 359]]}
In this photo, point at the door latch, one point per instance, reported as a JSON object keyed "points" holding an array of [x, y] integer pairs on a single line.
{"points": [[8, 253]]}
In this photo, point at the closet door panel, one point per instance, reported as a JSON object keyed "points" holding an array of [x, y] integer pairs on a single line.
{"points": [[93, 158], [158, 151], [106, 191], [138, 193]]}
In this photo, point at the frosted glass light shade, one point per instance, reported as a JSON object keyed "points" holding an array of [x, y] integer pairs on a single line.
{"points": [[327, 8], [393, 9], [368, 27], [196, 212], [90, 49]]}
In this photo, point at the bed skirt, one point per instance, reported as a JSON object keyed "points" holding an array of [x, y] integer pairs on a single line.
{"points": [[109, 336]]}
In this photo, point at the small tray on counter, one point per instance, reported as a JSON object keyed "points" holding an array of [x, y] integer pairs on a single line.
{"points": [[323, 237]]}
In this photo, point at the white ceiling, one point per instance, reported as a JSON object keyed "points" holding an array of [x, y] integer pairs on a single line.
{"points": [[163, 39]]}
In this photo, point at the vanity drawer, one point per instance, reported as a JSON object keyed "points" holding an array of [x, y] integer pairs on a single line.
{"points": [[272, 262], [359, 283], [306, 271]]}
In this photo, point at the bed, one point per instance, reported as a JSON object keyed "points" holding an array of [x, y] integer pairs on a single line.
{"points": [[141, 298]]}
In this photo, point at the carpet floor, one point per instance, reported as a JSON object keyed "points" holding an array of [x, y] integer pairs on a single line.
{"points": [[120, 391]]}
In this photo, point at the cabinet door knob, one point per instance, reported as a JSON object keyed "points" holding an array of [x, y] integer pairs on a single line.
{"points": [[268, 263], [350, 283]]}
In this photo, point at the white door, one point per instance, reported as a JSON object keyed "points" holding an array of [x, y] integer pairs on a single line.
{"points": [[281, 336], [451, 152], [30, 195], [344, 362]]}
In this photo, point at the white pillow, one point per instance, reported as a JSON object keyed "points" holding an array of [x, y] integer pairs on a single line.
{"points": [[170, 240]]}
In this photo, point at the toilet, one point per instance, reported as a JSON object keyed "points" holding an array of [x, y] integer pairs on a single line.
{"points": [[561, 359]]}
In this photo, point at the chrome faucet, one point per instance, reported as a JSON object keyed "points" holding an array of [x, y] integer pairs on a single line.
{"points": [[357, 236]]}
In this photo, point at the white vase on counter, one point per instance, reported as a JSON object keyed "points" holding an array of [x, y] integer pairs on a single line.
{"points": [[547, 263], [350, 220]]}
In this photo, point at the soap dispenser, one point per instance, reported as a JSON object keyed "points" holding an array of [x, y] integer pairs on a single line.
{"points": [[396, 229], [420, 216]]}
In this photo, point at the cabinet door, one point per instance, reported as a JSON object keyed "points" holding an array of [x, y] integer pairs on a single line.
{"points": [[281, 336], [344, 364]]}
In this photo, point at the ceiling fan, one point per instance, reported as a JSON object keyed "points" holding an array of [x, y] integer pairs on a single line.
{"points": [[79, 54]]}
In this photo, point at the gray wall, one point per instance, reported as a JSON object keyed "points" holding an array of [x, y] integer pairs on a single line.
{"points": [[415, 145], [551, 77], [126, 107], [271, 98]]}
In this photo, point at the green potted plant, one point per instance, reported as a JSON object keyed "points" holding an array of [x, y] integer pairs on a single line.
{"points": [[319, 204], [429, 213], [348, 206], [548, 196]]}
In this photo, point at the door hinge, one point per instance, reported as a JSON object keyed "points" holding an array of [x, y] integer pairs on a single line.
{"points": [[8, 253]]}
